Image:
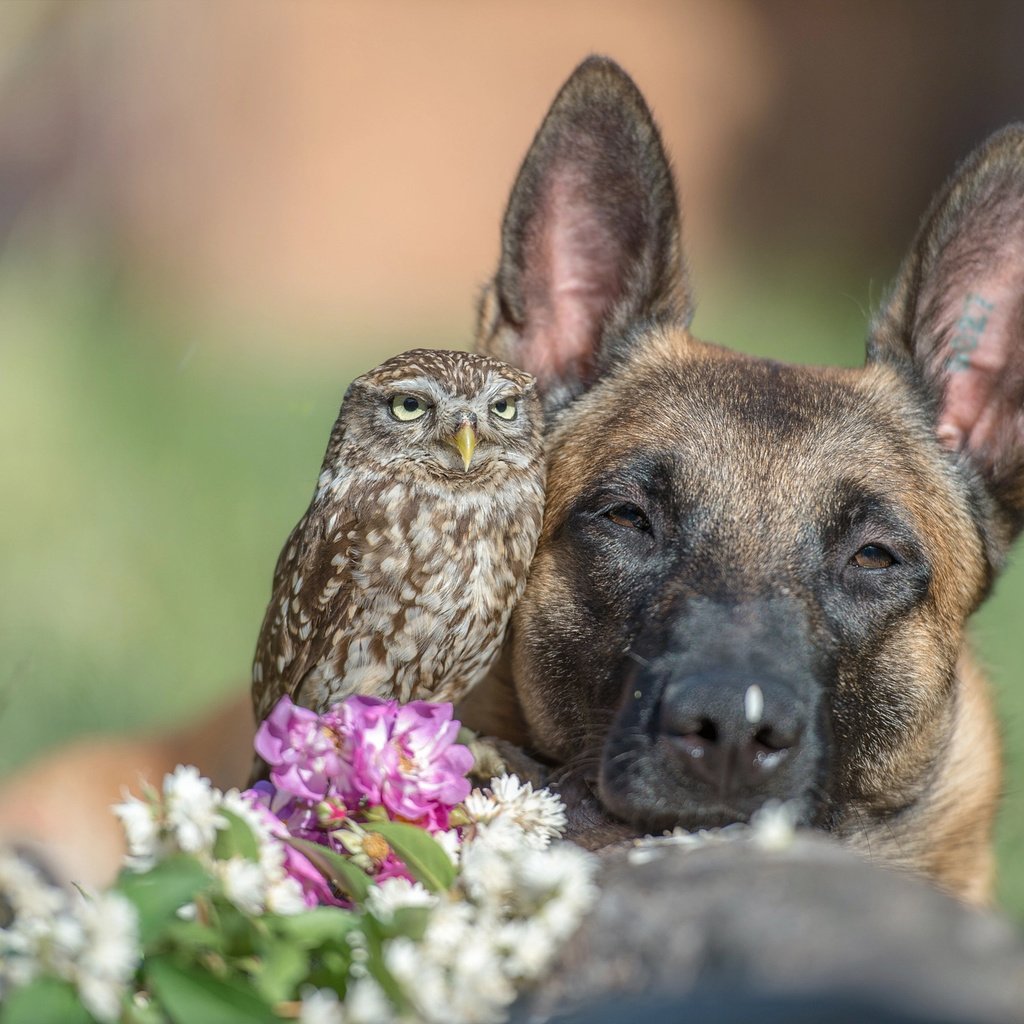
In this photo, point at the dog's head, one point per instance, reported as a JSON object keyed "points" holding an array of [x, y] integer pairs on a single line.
{"points": [[753, 578]]}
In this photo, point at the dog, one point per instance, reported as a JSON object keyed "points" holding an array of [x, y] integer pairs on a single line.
{"points": [[753, 578]]}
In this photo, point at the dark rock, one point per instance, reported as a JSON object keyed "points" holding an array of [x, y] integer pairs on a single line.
{"points": [[812, 932]]}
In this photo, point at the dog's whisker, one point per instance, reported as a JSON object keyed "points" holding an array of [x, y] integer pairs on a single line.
{"points": [[643, 662]]}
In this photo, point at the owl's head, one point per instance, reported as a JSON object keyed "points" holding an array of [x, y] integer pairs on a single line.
{"points": [[457, 413]]}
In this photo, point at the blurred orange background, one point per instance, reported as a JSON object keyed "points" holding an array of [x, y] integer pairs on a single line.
{"points": [[313, 164]]}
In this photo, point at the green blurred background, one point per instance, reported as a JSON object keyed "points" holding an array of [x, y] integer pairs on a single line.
{"points": [[213, 216]]}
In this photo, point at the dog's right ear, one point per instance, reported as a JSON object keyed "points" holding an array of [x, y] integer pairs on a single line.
{"points": [[954, 324], [590, 242]]}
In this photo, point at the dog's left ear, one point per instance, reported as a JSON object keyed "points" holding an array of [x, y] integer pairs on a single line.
{"points": [[590, 241], [955, 321]]}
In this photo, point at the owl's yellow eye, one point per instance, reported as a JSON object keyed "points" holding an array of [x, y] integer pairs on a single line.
{"points": [[504, 408], [407, 407]]}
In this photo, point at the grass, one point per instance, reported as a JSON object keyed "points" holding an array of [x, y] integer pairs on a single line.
{"points": [[150, 476]]}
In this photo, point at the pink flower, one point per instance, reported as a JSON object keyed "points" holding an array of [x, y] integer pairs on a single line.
{"points": [[403, 757], [302, 752], [363, 759], [315, 889], [391, 867]]}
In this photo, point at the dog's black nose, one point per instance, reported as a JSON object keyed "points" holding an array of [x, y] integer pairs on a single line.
{"points": [[730, 732]]}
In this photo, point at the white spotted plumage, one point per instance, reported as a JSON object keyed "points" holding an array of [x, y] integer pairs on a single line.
{"points": [[400, 578]]}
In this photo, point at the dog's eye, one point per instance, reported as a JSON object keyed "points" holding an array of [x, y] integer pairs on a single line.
{"points": [[873, 556], [629, 515], [407, 407]]}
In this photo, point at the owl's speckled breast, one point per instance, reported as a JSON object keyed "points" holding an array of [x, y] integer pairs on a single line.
{"points": [[432, 588]]}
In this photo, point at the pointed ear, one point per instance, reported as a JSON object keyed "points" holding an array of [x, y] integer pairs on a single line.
{"points": [[590, 241], [955, 320]]}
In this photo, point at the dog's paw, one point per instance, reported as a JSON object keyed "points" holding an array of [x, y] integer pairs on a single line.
{"points": [[493, 757]]}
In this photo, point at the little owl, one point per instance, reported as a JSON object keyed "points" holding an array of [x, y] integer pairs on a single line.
{"points": [[399, 580]]}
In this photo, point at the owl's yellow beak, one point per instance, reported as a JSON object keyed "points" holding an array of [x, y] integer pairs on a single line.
{"points": [[465, 441]]}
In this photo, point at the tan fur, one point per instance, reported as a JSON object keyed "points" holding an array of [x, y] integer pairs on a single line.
{"points": [[946, 836], [765, 460]]}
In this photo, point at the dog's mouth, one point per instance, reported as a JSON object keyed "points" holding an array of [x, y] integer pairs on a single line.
{"points": [[652, 807], [656, 781], [650, 811], [634, 792]]}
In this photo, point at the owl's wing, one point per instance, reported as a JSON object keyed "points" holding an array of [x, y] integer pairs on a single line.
{"points": [[309, 604]]}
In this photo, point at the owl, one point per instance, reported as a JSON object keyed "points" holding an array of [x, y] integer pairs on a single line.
{"points": [[399, 580]]}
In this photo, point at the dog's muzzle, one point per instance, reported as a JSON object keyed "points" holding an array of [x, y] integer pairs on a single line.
{"points": [[724, 719]]}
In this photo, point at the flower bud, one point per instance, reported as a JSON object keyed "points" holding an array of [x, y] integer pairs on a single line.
{"points": [[330, 812]]}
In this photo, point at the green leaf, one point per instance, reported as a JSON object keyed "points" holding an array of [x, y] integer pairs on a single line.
{"points": [[281, 969], [195, 937], [160, 892], [236, 840], [44, 1001], [240, 933], [315, 927], [377, 968], [419, 851], [330, 969], [142, 1013], [338, 870], [189, 995], [408, 921]]}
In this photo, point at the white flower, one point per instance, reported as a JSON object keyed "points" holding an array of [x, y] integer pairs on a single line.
{"points": [[451, 924], [481, 806], [529, 948], [92, 943], [232, 801], [40, 928], [521, 898], [558, 885], [479, 989], [67, 938], [651, 848], [393, 894], [773, 827], [141, 830], [284, 896], [502, 835], [192, 809], [110, 953], [101, 997], [244, 883], [540, 814], [563, 870], [187, 912], [277, 891], [456, 981], [530, 900], [416, 968], [451, 843], [365, 1003], [487, 875], [18, 963], [320, 1006], [24, 889]]}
